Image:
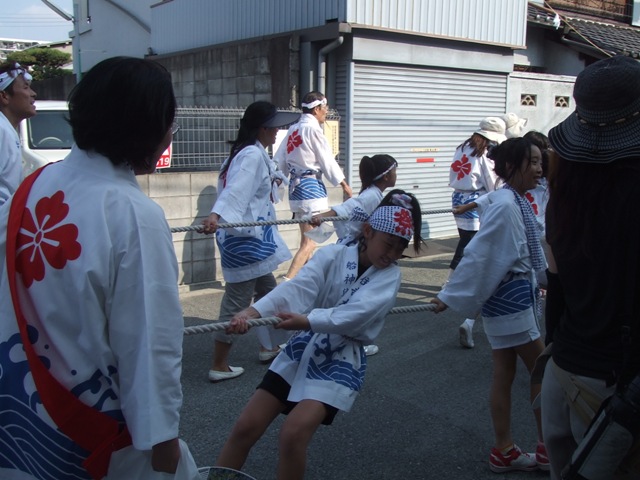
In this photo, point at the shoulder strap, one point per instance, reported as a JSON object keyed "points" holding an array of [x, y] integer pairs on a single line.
{"points": [[91, 429], [582, 399]]}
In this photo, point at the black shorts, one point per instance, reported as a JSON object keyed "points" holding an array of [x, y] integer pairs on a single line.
{"points": [[279, 388]]}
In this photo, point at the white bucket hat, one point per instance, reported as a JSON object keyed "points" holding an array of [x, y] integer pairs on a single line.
{"points": [[514, 125], [492, 128]]}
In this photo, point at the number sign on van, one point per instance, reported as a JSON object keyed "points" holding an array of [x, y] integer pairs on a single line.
{"points": [[165, 159]]}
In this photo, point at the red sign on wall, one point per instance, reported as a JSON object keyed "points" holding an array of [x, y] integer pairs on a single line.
{"points": [[165, 159]]}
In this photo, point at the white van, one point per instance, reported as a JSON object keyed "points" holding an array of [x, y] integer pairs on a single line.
{"points": [[46, 137]]}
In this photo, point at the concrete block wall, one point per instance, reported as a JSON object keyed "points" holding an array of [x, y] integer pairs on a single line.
{"points": [[186, 199], [238, 74]]}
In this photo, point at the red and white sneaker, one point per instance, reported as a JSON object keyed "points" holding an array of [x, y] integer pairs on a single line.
{"points": [[515, 459], [541, 457]]}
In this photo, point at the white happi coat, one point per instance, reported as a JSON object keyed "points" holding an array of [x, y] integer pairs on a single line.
{"points": [[245, 195], [10, 159], [496, 274], [305, 157], [470, 177], [101, 297], [367, 201], [327, 363]]}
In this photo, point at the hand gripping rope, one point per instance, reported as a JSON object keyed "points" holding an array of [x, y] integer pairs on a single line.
{"points": [[257, 322]]}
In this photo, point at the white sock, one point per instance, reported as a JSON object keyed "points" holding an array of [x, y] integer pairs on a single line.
{"points": [[470, 322]]}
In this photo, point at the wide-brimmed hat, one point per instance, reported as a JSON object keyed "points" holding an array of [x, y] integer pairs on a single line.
{"points": [[606, 123], [514, 125], [281, 119], [265, 114], [492, 128]]}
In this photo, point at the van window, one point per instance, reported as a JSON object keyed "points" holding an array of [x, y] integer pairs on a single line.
{"points": [[49, 130]]}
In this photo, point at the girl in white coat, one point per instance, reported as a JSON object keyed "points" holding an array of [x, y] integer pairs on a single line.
{"points": [[337, 303], [246, 191], [497, 276]]}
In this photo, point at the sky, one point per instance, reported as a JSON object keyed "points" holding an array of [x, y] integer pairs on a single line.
{"points": [[33, 20]]}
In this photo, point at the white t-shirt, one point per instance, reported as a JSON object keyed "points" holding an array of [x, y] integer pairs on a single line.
{"points": [[11, 173]]}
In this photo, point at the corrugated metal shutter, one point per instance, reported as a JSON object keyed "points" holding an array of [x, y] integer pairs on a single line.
{"points": [[419, 116]]}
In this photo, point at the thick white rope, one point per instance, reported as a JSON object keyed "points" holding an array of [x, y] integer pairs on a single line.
{"points": [[261, 223], [257, 322], [258, 223]]}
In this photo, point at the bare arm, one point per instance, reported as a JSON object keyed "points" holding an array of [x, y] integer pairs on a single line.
{"points": [[165, 456], [346, 189], [316, 219], [460, 209]]}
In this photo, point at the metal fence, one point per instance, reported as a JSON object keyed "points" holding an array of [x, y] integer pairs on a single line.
{"points": [[202, 143]]}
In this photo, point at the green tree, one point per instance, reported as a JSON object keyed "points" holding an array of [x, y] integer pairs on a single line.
{"points": [[44, 62]]}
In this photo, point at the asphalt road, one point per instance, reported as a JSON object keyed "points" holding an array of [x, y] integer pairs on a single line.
{"points": [[423, 412]]}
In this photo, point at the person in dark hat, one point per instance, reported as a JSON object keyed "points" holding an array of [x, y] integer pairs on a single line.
{"points": [[593, 297], [246, 189]]}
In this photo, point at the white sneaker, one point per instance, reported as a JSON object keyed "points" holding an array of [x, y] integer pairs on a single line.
{"points": [[466, 335], [265, 356], [371, 350], [216, 376]]}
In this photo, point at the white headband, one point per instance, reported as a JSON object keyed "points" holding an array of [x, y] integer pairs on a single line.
{"points": [[315, 103], [375, 179], [7, 78]]}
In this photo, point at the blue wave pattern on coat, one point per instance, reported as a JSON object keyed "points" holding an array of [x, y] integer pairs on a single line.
{"points": [[27, 442], [308, 189], [238, 251], [511, 296], [462, 198], [323, 365]]}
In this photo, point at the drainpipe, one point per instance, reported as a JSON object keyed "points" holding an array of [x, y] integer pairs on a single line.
{"points": [[322, 63]]}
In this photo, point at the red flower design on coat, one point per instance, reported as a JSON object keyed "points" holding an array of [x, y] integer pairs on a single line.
{"points": [[404, 222], [44, 239], [295, 140], [532, 201], [462, 167]]}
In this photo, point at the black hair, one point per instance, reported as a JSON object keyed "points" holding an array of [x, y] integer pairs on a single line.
{"points": [[254, 116], [478, 143], [416, 217], [541, 141], [309, 98], [509, 156], [371, 167], [123, 108]]}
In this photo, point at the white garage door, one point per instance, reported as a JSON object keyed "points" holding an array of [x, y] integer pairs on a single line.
{"points": [[419, 116]]}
